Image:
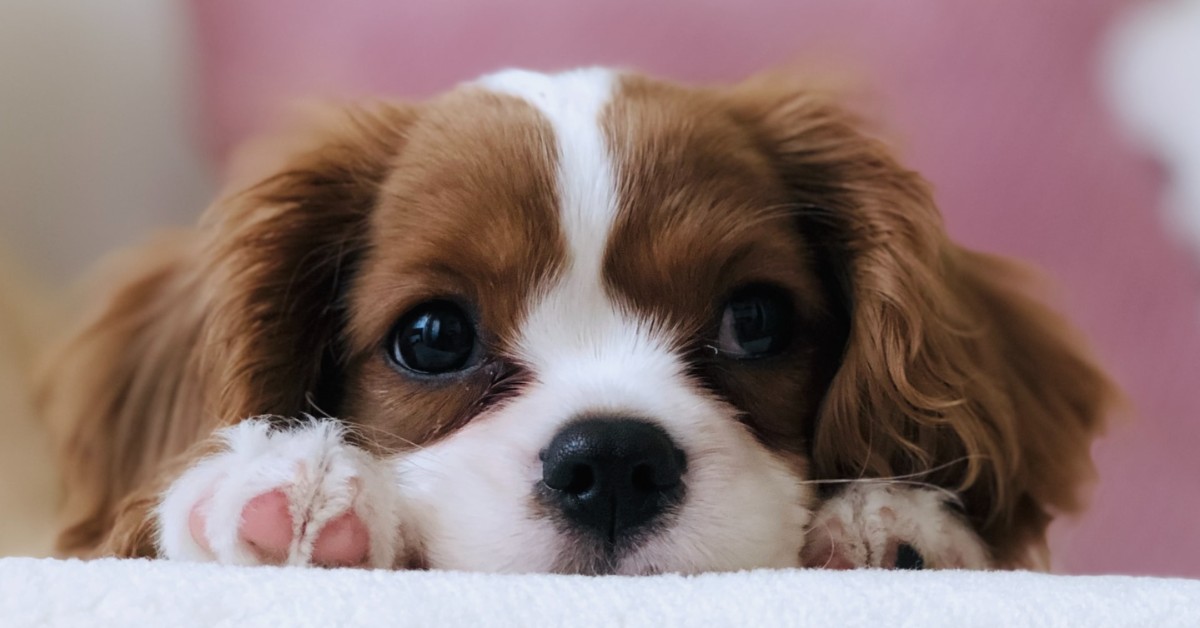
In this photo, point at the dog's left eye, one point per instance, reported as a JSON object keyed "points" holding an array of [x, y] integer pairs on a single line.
{"points": [[756, 322], [433, 338]]}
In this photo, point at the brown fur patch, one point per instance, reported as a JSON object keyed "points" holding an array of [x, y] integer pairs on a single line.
{"points": [[470, 213], [702, 214]]}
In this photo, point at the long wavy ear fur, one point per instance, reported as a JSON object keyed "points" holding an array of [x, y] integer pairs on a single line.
{"points": [[952, 370], [208, 326]]}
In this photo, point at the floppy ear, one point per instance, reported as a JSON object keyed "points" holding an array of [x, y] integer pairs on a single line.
{"points": [[206, 327], [951, 370], [280, 256]]}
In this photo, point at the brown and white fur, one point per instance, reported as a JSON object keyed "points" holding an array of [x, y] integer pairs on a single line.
{"points": [[594, 223]]}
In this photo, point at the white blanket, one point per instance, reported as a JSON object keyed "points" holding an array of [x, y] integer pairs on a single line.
{"points": [[150, 593]]}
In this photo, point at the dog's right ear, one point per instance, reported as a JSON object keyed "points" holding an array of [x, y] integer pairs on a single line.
{"points": [[953, 371], [207, 326]]}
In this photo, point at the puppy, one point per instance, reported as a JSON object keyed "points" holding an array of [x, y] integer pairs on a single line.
{"points": [[585, 322]]}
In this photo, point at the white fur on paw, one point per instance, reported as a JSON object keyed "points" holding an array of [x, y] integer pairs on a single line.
{"points": [[322, 477], [866, 525]]}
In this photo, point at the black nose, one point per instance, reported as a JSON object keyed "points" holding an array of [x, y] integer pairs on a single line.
{"points": [[610, 476]]}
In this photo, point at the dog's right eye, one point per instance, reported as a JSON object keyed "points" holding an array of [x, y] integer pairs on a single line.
{"points": [[433, 338], [757, 322]]}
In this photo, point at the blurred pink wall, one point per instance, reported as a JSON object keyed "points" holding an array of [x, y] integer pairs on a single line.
{"points": [[995, 101]]}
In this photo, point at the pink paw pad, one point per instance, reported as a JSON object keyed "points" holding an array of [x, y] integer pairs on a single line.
{"points": [[343, 542], [267, 527], [823, 551]]}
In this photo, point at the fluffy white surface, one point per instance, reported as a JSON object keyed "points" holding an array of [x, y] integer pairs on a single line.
{"points": [[162, 593]]}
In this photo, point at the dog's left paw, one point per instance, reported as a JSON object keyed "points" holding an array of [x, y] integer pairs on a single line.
{"points": [[889, 526], [299, 495]]}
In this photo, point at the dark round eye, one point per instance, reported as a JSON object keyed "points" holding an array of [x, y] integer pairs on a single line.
{"points": [[434, 337], [757, 322]]}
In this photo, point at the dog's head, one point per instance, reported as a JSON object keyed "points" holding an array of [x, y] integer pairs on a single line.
{"points": [[617, 325], [587, 300]]}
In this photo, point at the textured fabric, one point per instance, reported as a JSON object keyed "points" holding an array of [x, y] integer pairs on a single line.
{"points": [[48, 593]]}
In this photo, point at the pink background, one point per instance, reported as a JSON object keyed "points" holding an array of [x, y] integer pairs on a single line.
{"points": [[995, 101]]}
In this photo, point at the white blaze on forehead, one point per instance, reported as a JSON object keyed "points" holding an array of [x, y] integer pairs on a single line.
{"points": [[573, 102], [576, 323]]}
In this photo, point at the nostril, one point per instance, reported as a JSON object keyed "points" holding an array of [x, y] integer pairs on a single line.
{"points": [[643, 478], [580, 479], [571, 477], [658, 475]]}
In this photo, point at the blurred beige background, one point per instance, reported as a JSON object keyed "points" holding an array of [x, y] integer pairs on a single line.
{"points": [[94, 151], [27, 487], [95, 95]]}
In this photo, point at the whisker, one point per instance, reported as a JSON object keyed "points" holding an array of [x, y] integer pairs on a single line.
{"points": [[943, 490], [360, 430], [311, 401], [910, 479]]}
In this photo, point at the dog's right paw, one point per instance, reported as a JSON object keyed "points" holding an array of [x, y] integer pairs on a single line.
{"points": [[890, 526], [296, 496]]}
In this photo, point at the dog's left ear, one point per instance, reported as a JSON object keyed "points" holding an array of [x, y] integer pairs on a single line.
{"points": [[282, 250], [951, 372], [237, 317]]}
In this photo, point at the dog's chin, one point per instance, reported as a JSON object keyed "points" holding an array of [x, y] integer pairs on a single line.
{"points": [[652, 551], [594, 557], [590, 554], [668, 546], [650, 555]]}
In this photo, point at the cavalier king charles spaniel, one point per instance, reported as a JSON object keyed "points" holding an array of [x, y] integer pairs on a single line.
{"points": [[586, 322]]}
